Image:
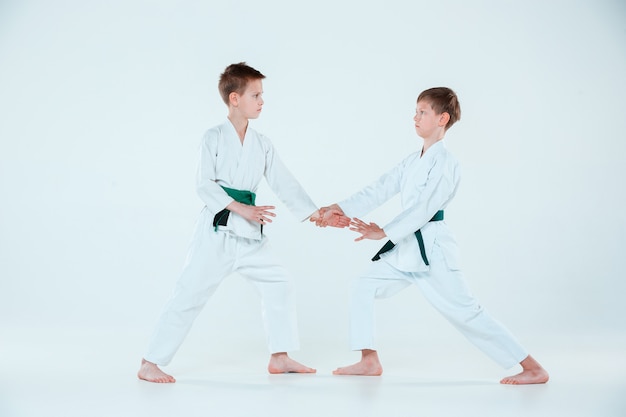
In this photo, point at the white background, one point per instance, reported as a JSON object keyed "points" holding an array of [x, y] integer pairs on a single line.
{"points": [[103, 104]]}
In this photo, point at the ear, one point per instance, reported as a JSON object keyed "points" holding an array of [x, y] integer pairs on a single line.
{"points": [[233, 99], [444, 119]]}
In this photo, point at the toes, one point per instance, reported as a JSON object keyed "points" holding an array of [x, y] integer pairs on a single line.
{"points": [[509, 381]]}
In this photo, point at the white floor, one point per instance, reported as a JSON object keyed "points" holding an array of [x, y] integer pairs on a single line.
{"points": [[80, 372]]}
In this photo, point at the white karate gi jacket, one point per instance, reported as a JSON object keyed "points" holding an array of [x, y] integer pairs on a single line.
{"points": [[426, 185], [224, 161]]}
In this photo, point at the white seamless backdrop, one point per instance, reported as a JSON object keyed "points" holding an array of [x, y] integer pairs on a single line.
{"points": [[103, 105]]}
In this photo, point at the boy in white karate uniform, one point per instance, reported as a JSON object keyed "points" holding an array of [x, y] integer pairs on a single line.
{"points": [[229, 233], [421, 249]]}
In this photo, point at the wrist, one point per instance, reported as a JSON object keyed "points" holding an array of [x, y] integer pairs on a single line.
{"points": [[235, 207]]}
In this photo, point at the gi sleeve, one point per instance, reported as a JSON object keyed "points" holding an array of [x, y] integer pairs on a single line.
{"points": [[286, 187], [441, 184], [375, 194], [213, 196]]}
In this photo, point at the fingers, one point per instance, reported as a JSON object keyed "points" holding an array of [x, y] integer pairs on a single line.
{"points": [[265, 217], [319, 222], [315, 216], [342, 221], [261, 214], [331, 217], [359, 226], [356, 222], [334, 217], [265, 209], [338, 221]]}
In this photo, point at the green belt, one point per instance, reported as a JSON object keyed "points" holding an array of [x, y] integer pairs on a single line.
{"points": [[418, 235], [241, 196]]}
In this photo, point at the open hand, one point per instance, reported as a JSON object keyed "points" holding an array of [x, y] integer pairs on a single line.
{"points": [[257, 214], [330, 216], [368, 231]]}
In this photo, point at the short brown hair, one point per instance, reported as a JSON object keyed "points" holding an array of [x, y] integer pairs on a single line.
{"points": [[443, 100], [235, 79]]}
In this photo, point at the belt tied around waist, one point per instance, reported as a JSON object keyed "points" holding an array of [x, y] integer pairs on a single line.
{"points": [[241, 196], [418, 235]]}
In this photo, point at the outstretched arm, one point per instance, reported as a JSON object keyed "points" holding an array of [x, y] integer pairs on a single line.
{"points": [[368, 231]]}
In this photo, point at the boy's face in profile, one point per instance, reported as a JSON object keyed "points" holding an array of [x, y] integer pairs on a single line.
{"points": [[250, 103], [426, 120]]}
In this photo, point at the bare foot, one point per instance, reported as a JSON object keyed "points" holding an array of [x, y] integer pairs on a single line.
{"points": [[281, 363], [369, 365], [532, 373], [150, 372]]}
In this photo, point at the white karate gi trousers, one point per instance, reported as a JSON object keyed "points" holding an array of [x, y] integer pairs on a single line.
{"points": [[211, 258], [447, 291]]}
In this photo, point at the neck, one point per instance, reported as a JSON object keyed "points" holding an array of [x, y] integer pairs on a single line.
{"points": [[428, 142], [240, 124]]}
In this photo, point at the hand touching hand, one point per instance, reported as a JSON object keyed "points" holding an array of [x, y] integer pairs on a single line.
{"points": [[335, 218], [367, 231], [330, 216]]}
